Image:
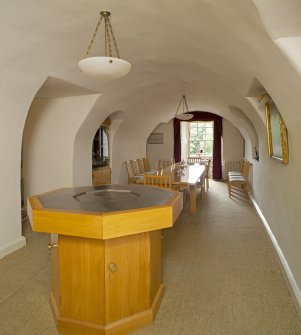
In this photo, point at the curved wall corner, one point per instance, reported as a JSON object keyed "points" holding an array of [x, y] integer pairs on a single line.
{"points": [[246, 127], [129, 143], [117, 174], [48, 141], [18, 87], [291, 47], [82, 150], [164, 151]]}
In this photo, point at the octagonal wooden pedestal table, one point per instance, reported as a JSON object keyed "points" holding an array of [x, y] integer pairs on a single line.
{"points": [[107, 259]]}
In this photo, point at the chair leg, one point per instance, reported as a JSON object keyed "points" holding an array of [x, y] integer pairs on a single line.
{"points": [[246, 190], [207, 184], [229, 188], [185, 195], [203, 188]]}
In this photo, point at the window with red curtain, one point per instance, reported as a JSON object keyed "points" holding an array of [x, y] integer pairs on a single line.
{"points": [[217, 140]]}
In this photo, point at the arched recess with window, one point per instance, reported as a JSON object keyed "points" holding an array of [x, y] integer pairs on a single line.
{"points": [[103, 156], [217, 135], [101, 171]]}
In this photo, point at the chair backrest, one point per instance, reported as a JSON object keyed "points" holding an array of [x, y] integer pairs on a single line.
{"points": [[194, 160], [145, 164], [162, 164], [130, 169], [243, 166], [246, 170], [206, 171], [158, 180], [140, 166], [136, 169], [207, 167]]}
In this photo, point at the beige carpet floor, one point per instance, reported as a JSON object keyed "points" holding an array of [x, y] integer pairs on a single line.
{"points": [[220, 272]]}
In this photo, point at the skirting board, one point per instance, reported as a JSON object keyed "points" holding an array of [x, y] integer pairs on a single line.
{"points": [[290, 277], [14, 245]]}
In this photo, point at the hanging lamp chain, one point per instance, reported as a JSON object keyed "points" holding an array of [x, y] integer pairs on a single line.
{"points": [[94, 35], [184, 104], [113, 38], [108, 35], [107, 39]]}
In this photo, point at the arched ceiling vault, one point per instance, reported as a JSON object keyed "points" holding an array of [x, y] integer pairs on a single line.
{"points": [[209, 50]]}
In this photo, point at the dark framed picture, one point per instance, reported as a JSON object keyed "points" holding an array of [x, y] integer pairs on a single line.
{"points": [[277, 133], [155, 138]]}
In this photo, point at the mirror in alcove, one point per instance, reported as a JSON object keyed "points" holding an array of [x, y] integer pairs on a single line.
{"points": [[101, 171]]}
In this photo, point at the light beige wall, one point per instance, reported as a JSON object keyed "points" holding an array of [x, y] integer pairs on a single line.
{"points": [[163, 151], [128, 143], [277, 192], [17, 89], [233, 142], [48, 143]]}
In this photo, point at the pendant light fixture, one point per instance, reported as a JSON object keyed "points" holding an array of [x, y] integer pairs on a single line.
{"points": [[185, 115], [105, 67]]}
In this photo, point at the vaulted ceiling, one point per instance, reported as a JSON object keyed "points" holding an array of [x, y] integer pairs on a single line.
{"points": [[211, 50]]}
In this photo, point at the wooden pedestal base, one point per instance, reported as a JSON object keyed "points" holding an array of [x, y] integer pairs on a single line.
{"points": [[106, 287], [120, 327]]}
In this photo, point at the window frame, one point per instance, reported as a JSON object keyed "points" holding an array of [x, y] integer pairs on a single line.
{"points": [[203, 154]]}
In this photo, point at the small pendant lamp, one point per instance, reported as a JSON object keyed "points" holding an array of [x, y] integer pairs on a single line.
{"points": [[185, 115]]}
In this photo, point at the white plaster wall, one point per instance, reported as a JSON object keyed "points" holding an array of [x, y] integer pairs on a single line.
{"points": [[233, 143], [163, 151], [276, 190], [127, 144], [48, 143], [15, 98]]}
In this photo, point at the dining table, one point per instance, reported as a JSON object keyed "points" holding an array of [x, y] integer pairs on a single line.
{"points": [[186, 175]]}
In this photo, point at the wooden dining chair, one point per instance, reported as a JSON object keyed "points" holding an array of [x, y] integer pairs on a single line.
{"points": [[132, 171], [158, 180], [206, 173], [145, 164], [135, 166], [164, 163], [202, 185], [243, 167], [240, 181], [193, 160], [140, 166]]}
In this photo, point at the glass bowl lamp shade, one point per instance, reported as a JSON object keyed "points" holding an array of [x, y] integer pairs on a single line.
{"points": [[107, 66], [102, 67], [185, 115]]}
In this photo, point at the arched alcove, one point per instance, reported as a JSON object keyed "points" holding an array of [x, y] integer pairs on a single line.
{"points": [[237, 138], [55, 115]]}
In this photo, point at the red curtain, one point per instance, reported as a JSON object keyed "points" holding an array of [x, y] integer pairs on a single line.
{"points": [[217, 143]]}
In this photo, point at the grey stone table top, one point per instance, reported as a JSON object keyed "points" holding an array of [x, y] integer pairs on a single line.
{"points": [[105, 198]]}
